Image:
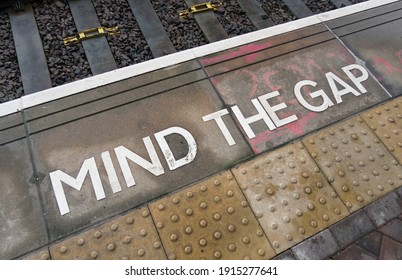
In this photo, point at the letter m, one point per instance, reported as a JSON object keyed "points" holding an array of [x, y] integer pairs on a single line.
{"points": [[57, 177]]}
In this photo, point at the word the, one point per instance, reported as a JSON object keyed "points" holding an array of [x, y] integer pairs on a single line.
{"points": [[268, 113]]}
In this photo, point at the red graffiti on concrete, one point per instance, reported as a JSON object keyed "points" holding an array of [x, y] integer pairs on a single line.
{"points": [[384, 64], [267, 79], [254, 81], [243, 75], [281, 75], [308, 71], [248, 50], [399, 55], [297, 128]]}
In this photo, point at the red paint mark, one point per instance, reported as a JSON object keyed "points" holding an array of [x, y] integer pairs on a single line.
{"points": [[399, 55], [310, 70], [343, 54], [247, 77], [243, 50], [296, 128], [386, 65], [267, 79], [250, 58], [214, 82], [254, 81]]}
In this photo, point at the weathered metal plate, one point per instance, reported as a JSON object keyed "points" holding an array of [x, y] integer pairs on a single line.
{"points": [[210, 220], [129, 237], [355, 162], [383, 54], [386, 122], [126, 162], [22, 222], [289, 194], [270, 98]]}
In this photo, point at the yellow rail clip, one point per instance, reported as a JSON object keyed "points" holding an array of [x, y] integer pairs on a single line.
{"points": [[91, 33], [203, 7]]}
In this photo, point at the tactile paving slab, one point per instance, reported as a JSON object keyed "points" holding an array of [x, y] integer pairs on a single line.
{"points": [[386, 122], [132, 236], [210, 220], [42, 254], [289, 194], [355, 162]]}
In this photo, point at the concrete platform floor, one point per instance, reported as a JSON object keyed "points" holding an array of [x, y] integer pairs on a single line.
{"points": [[283, 147], [248, 212]]}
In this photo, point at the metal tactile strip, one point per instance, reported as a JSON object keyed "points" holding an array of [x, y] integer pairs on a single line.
{"points": [[289, 195], [386, 122], [355, 162], [132, 236], [210, 220]]}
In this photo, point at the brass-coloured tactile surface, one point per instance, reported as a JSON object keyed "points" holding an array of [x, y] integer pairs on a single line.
{"points": [[132, 236], [210, 220], [386, 122], [289, 194], [42, 254], [355, 162]]}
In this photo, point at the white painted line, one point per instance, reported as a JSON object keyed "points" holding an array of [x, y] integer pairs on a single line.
{"points": [[254, 36], [10, 107], [172, 59]]}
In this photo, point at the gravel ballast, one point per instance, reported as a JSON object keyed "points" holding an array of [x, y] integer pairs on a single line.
{"points": [[55, 22], [10, 77], [183, 32], [129, 47], [277, 11]]}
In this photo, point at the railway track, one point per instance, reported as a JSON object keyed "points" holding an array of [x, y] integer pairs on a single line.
{"points": [[33, 56]]}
